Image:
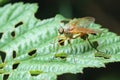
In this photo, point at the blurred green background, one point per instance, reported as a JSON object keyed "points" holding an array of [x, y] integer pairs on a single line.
{"points": [[106, 13]]}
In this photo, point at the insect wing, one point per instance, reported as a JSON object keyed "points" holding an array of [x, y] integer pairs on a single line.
{"points": [[82, 22], [83, 30]]}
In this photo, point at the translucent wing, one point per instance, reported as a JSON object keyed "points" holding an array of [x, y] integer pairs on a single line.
{"points": [[83, 30], [82, 22], [76, 26]]}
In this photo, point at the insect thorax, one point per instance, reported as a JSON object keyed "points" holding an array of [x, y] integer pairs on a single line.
{"points": [[67, 28]]}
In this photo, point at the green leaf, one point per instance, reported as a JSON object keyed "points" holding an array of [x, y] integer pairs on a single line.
{"points": [[27, 46]]}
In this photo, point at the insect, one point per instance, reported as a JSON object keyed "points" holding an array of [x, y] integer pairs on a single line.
{"points": [[75, 28]]}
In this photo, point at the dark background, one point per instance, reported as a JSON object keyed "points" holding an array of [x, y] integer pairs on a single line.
{"points": [[106, 12]]}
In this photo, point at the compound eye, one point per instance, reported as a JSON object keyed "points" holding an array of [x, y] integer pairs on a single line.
{"points": [[61, 30]]}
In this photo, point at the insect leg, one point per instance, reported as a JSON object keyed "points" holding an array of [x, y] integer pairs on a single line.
{"points": [[69, 42], [58, 42], [55, 41], [92, 45], [71, 49], [84, 36], [99, 53], [61, 40]]}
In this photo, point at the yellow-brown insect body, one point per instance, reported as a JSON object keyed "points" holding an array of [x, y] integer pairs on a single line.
{"points": [[68, 34], [76, 28]]}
